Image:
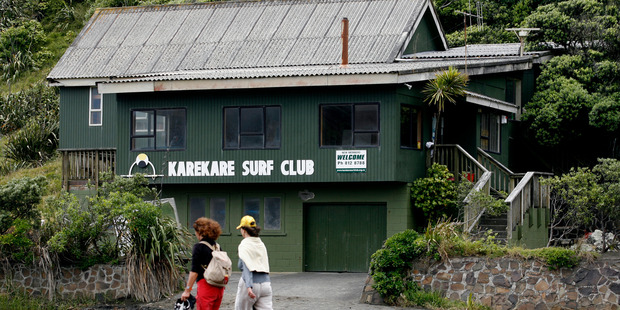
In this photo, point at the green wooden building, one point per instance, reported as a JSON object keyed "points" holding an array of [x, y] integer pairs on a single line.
{"points": [[307, 115]]}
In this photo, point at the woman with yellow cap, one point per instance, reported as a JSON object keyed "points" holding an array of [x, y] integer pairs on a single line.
{"points": [[254, 289]]}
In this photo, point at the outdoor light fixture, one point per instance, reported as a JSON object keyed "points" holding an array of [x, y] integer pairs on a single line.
{"points": [[305, 195]]}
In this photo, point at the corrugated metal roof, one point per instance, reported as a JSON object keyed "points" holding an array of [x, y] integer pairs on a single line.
{"points": [[476, 50], [122, 42], [402, 68]]}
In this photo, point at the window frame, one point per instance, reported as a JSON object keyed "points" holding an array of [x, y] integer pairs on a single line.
{"points": [[418, 117], [154, 126], [91, 110], [354, 131], [489, 116], [260, 219], [240, 134], [208, 198]]}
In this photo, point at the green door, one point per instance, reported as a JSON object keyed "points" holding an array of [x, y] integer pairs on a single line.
{"points": [[342, 238]]}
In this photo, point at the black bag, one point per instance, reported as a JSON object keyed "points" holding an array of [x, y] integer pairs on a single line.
{"points": [[185, 305]]}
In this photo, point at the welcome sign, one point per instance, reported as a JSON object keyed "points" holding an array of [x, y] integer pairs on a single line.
{"points": [[351, 161]]}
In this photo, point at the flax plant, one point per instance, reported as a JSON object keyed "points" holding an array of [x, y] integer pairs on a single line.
{"points": [[155, 261]]}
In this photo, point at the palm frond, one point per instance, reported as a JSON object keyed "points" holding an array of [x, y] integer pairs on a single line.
{"points": [[447, 86]]}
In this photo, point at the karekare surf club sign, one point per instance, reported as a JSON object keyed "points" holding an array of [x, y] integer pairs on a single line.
{"points": [[346, 161]]}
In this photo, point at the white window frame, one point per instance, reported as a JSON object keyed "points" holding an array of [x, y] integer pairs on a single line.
{"points": [[91, 110]]}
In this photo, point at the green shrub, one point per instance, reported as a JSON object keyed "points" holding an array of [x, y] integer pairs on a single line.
{"points": [[17, 243], [389, 265], [18, 200], [436, 195], [18, 216], [557, 258]]}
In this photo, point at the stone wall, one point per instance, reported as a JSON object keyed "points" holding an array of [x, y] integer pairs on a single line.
{"points": [[503, 283], [98, 282]]}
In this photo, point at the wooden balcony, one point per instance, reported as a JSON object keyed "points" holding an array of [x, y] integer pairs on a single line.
{"points": [[81, 167]]}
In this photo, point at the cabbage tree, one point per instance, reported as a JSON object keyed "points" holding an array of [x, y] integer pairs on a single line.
{"points": [[447, 86]]}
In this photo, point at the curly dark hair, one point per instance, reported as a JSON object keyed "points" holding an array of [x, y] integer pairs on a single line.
{"points": [[207, 227]]}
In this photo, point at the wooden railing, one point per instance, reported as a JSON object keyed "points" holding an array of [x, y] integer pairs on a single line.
{"points": [[528, 193], [458, 161], [503, 179], [472, 212], [85, 165], [525, 190]]}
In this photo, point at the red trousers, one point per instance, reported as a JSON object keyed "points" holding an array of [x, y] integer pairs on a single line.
{"points": [[208, 297]]}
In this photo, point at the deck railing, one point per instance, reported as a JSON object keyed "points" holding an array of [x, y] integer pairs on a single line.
{"points": [[85, 165]]}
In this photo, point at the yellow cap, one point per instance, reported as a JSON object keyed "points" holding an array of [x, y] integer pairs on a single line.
{"points": [[247, 221]]}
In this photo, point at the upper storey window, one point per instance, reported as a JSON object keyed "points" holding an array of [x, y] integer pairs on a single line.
{"points": [[158, 129], [354, 124], [95, 107], [252, 127]]}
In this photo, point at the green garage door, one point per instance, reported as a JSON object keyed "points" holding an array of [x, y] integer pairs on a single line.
{"points": [[342, 237]]}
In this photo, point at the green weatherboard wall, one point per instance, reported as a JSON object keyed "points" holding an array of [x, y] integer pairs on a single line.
{"points": [[289, 247], [299, 135], [75, 132]]}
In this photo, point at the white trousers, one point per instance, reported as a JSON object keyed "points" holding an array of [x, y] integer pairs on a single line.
{"points": [[263, 300]]}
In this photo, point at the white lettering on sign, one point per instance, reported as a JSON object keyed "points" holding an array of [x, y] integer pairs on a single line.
{"points": [[201, 168], [297, 167], [249, 168], [257, 167]]}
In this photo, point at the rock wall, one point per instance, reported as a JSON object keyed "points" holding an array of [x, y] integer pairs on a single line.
{"points": [[503, 283], [102, 282]]}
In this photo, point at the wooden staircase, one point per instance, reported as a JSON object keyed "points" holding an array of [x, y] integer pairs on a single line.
{"points": [[524, 190], [496, 224]]}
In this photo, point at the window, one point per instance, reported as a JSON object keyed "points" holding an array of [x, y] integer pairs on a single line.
{"points": [[161, 129], [215, 209], [95, 107], [410, 127], [252, 128], [490, 132], [271, 210], [349, 124]]}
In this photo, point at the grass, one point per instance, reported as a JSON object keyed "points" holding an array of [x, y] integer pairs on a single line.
{"points": [[17, 299]]}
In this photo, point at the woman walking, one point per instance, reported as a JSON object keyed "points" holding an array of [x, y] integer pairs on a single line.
{"points": [[254, 290], [208, 297]]}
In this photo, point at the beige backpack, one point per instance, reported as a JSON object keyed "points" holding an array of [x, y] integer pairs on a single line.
{"points": [[220, 267]]}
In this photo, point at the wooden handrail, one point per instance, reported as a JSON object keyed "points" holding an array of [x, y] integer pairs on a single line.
{"points": [[470, 218], [458, 161], [503, 179], [525, 190], [528, 193]]}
